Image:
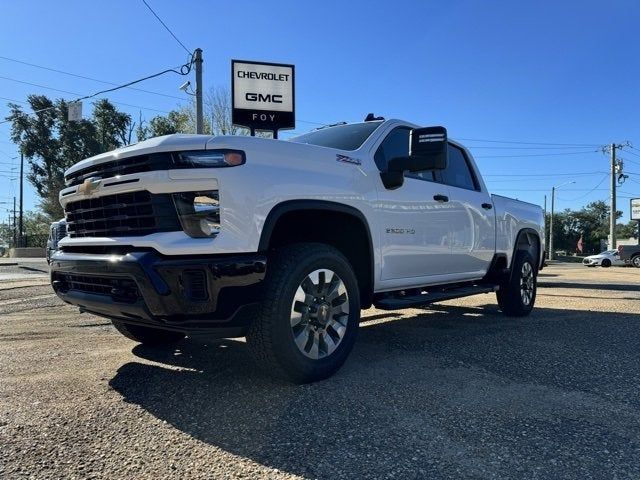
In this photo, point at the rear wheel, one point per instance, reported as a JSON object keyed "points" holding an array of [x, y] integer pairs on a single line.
{"points": [[517, 294], [635, 261], [309, 316], [148, 336], [606, 263]]}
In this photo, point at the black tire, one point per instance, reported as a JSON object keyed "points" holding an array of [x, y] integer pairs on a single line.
{"points": [[635, 261], [511, 295], [606, 263], [152, 337], [271, 338]]}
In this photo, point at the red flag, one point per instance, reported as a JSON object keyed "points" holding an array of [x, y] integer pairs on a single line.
{"points": [[580, 244]]}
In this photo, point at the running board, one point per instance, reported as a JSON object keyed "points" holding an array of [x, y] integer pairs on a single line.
{"points": [[412, 301]]}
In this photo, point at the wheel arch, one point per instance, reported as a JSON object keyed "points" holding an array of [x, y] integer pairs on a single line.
{"points": [[528, 240], [290, 221]]}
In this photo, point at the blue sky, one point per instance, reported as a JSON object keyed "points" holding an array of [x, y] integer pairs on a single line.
{"points": [[551, 72]]}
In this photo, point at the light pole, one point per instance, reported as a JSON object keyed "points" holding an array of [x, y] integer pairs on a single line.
{"points": [[552, 252]]}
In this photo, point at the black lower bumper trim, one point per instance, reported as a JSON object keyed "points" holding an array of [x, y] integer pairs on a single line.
{"points": [[186, 293]]}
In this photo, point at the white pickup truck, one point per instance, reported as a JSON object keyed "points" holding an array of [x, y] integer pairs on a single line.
{"points": [[284, 242]]}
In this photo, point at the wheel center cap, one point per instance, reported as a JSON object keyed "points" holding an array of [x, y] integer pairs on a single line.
{"points": [[323, 313]]}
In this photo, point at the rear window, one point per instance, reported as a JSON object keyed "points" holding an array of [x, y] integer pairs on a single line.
{"points": [[343, 137]]}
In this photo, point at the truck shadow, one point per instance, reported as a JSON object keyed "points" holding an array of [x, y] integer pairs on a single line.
{"points": [[592, 286], [424, 396]]}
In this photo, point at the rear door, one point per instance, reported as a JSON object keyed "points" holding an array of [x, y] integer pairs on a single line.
{"points": [[471, 216]]}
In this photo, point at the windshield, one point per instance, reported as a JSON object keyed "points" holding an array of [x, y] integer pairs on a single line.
{"points": [[609, 252], [343, 137]]}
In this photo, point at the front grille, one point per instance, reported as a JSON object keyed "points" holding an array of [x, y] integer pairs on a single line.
{"points": [[125, 166], [123, 214], [121, 290], [60, 231]]}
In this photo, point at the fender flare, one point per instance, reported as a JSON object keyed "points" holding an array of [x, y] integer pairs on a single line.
{"points": [[536, 235], [289, 206]]}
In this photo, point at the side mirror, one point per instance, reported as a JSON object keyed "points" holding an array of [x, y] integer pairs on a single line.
{"points": [[427, 151]]}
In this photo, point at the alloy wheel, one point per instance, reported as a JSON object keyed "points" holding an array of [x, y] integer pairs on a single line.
{"points": [[319, 313], [526, 283]]}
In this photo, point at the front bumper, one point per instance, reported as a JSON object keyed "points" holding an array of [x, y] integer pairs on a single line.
{"points": [[191, 294]]}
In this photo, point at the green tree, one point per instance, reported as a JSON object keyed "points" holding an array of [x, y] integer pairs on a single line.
{"points": [[177, 121], [630, 230], [36, 229], [592, 222], [217, 118], [113, 128], [51, 143]]}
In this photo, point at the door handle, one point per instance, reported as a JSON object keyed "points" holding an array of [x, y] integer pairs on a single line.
{"points": [[440, 198], [487, 206]]}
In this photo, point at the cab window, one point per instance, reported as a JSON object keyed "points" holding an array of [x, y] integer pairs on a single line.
{"points": [[458, 173]]}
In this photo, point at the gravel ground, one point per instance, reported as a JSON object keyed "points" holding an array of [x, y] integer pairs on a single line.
{"points": [[455, 391]]}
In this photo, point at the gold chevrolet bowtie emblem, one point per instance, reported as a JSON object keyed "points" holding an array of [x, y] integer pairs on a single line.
{"points": [[89, 185]]}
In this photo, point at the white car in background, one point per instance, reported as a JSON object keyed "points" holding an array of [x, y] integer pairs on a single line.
{"points": [[604, 259]]}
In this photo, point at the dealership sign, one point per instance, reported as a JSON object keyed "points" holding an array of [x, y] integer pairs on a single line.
{"points": [[263, 95], [635, 209]]}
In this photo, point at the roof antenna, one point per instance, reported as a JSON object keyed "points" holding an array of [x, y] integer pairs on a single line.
{"points": [[372, 118]]}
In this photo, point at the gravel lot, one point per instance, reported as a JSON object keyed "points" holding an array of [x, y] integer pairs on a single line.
{"points": [[455, 391]]}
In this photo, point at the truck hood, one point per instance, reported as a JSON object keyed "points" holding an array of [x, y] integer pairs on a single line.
{"points": [[166, 143], [275, 149]]}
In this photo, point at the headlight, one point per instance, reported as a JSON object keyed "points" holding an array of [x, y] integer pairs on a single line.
{"points": [[209, 158], [199, 213]]}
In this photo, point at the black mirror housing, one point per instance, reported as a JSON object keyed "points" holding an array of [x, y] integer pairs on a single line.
{"points": [[429, 146], [427, 151]]}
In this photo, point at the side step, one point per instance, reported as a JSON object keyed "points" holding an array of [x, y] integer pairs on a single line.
{"points": [[426, 298]]}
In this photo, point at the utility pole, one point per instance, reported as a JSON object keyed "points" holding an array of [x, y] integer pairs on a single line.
{"points": [[20, 237], [15, 232], [545, 218], [612, 214], [551, 251], [199, 110]]}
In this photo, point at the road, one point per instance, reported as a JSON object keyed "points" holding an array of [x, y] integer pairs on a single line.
{"points": [[455, 391]]}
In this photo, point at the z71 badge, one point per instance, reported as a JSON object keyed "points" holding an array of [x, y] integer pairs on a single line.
{"points": [[345, 159]]}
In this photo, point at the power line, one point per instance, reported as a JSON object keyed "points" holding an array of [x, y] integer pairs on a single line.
{"points": [[541, 174], [546, 190], [586, 194], [537, 154], [165, 26], [72, 93], [471, 147], [184, 70], [88, 78], [14, 101], [531, 143]]}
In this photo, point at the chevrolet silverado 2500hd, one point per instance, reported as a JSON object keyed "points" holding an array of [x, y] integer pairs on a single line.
{"points": [[284, 242]]}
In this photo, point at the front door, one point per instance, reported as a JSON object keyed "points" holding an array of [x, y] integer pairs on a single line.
{"points": [[415, 228]]}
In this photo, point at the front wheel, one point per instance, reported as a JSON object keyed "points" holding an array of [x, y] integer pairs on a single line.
{"points": [[517, 294], [606, 263], [635, 261], [309, 315], [152, 337]]}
